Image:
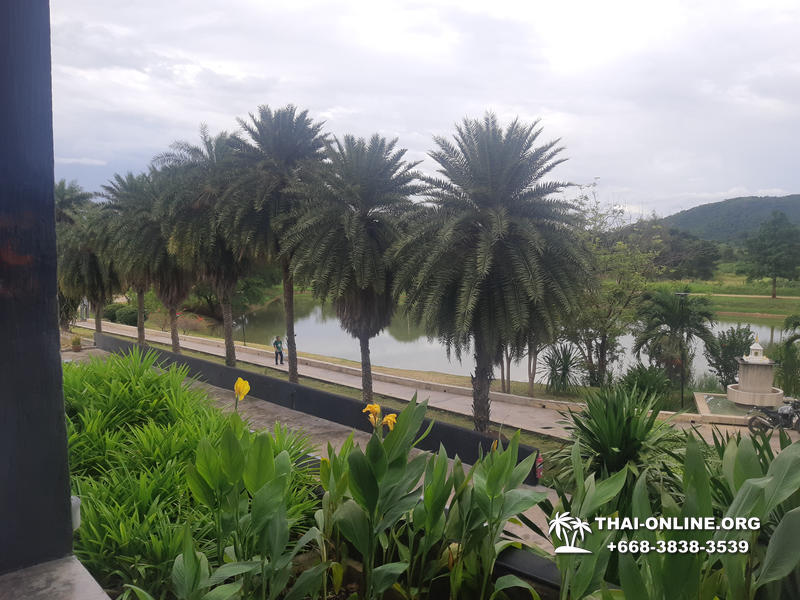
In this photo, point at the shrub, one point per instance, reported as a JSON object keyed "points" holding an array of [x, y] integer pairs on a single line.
{"points": [[564, 369], [732, 343], [128, 315], [131, 431], [110, 311], [649, 380]]}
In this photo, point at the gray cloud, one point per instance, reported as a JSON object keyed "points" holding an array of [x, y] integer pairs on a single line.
{"points": [[670, 104]]}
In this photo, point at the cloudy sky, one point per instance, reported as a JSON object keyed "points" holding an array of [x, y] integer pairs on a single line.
{"points": [[670, 104]]}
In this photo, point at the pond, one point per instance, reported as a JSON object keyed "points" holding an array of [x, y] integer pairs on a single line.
{"points": [[404, 344]]}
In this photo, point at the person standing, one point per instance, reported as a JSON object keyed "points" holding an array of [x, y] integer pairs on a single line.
{"points": [[277, 343]]}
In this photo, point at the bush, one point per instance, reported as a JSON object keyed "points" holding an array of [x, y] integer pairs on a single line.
{"points": [[128, 315], [564, 369], [131, 431], [732, 343], [650, 380], [110, 311]]}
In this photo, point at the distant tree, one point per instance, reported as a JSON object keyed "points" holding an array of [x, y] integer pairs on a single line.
{"points": [[620, 272], [774, 251], [342, 235], [787, 355], [197, 177], [69, 198], [668, 324], [84, 271], [490, 243], [274, 149], [731, 344]]}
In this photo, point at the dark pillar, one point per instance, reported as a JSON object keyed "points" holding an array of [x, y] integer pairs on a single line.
{"points": [[34, 477]]}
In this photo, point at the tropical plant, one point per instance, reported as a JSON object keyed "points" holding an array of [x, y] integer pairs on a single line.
{"points": [[70, 198], [669, 323], [564, 368], [787, 355], [490, 244], [730, 344], [195, 179], [275, 149], [773, 251], [342, 233], [648, 380], [84, 269]]}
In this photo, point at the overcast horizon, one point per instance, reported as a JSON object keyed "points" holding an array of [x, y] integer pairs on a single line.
{"points": [[670, 105]]}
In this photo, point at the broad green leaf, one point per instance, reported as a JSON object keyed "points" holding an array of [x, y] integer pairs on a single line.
{"points": [[383, 577], [224, 592], [603, 493], [785, 473], [199, 487], [376, 457], [260, 464], [309, 583], [783, 551], [208, 465], [511, 581], [337, 576], [140, 593], [630, 578], [230, 570], [232, 456], [362, 481], [352, 522]]}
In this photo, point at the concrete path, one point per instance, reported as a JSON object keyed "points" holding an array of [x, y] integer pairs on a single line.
{"points": [[544, 421]]}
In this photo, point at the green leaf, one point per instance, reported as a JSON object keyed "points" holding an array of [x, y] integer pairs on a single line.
{"points": [[354, 525], [224, 592], [260, 464], [208, 465], [232, 456], [630, 578], [362, 481], [199, 487], [783, 551], [267, 500], [603, 493], [785, 473], [230, 570], [337, 576], [511, 581], [309, 583], [376, 456], [384, 576], [140, 593]]}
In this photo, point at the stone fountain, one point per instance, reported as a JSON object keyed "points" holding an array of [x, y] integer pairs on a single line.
{"points": [[755, 380]]}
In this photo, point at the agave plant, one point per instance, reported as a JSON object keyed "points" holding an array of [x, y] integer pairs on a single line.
{"points": [[564, 368]]}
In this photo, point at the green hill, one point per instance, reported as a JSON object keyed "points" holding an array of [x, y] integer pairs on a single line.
{"points": [[731, 220]]}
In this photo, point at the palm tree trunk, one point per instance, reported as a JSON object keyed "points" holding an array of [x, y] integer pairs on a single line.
{"points": [[774, 287], [533, 357], [508, 371], [227, 327], [173, 329], [140, 316], [502, 376], [288, 307], [480, 387], [98, 317], [366, 371]]}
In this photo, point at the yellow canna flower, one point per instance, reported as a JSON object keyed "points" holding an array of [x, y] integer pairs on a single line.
{"points": [[389, 421], [241, 388], [374, 411]]}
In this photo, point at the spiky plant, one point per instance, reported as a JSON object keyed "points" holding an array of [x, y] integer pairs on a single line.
{"points": [[196, 179], [491, 244], [344, 230], [69, 198], [274, 149]]}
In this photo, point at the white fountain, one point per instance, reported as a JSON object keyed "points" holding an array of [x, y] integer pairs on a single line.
{"points": [[755, 380]]}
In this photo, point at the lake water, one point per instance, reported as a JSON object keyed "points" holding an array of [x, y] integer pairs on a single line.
{"points": [[404, 344]]}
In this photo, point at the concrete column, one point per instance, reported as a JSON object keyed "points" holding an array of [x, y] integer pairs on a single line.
{"points": [[34, 476]]}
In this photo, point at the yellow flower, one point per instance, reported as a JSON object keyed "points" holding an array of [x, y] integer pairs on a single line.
{"points": [[389, 420], [374, 411], [241, 389]]}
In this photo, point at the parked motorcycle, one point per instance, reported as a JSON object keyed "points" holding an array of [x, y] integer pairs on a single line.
{"points": [[765, 419]]}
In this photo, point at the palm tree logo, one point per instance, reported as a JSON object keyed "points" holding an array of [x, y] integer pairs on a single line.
{"points": [[562, 525]]}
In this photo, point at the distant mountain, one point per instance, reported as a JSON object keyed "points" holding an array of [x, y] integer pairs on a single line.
{"points": [[731, 220]]}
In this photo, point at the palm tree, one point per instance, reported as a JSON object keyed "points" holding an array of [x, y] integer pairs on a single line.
{"points": [[138, 242], [69, 198], [490, 245], [197, 177], [340, 240], [669, 323], [275, 149], [83, 269]]}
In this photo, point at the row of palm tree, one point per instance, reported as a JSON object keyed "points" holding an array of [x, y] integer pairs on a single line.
{"points": [[483, 254]]}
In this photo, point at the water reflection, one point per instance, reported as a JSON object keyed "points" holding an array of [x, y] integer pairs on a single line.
{"points": [[404, 344]]}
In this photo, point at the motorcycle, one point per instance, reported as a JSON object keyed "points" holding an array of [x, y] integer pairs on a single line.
{"points": [[765, 419]]}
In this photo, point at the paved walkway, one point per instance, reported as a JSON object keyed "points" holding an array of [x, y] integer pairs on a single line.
{"points": [[543, 421]]}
